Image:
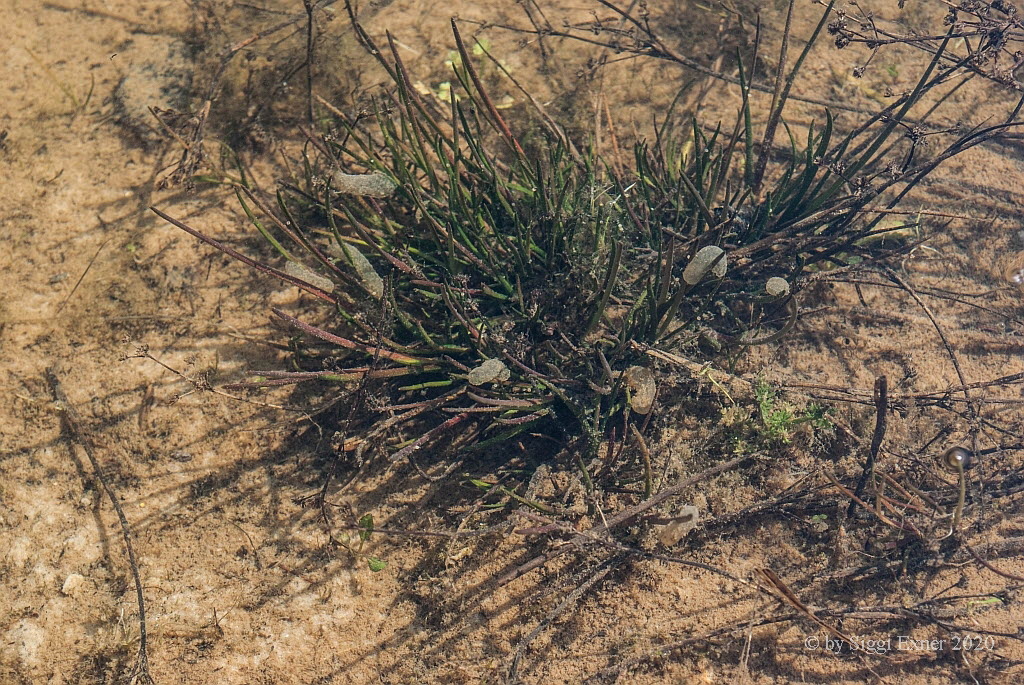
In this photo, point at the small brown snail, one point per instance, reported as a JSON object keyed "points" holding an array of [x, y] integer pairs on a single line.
{"points": [[957, 459]]}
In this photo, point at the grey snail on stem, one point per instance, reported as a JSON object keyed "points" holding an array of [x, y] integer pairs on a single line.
{"points": [[957, 459]]}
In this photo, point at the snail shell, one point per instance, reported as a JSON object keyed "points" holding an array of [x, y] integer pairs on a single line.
{"points": [[777, 286], [1013, 271], [956, 459], [710, 259]]}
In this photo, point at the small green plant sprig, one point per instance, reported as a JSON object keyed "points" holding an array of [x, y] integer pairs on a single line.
{"points": [[772, 422], [778, 419], [363, 535], [489, 289]]}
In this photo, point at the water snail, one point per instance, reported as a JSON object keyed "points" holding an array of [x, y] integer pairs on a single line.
{"points": [[957, 459]]}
